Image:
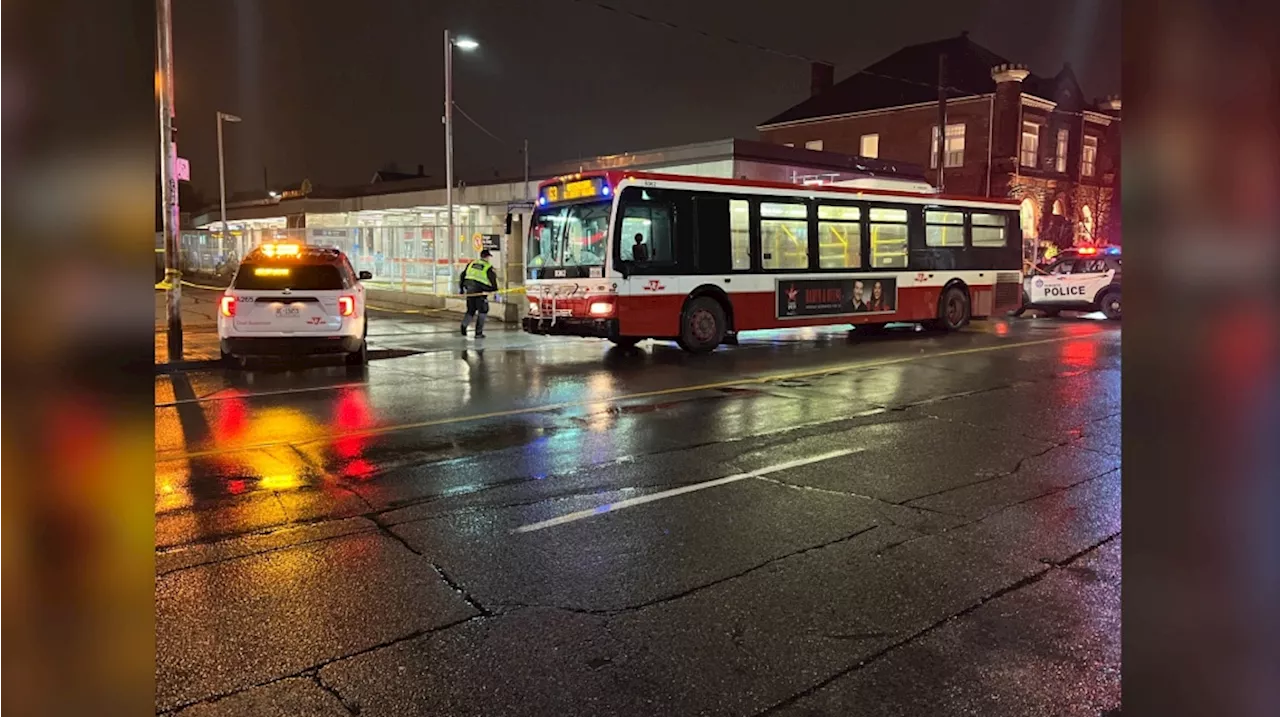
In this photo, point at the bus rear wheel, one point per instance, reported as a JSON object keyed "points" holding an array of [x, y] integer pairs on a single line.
{"points": [[953, 310], [702, 325]]}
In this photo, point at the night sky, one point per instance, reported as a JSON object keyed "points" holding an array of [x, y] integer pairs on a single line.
{"points": [[333, 90]]}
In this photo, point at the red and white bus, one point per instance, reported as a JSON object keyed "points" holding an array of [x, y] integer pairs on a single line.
{"points": [[627, 256]]}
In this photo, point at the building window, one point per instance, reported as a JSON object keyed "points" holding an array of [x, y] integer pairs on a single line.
{"points": [[1030, 144], [814, 144], [1089, 156], [944, 229], [839, 237], [1061, 164], [954, 148], [888, 238], [784, 236], [739, 231], [870, 146]]}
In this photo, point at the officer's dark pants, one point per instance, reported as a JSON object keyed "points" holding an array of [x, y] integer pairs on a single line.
{"points": [[477, 306]]}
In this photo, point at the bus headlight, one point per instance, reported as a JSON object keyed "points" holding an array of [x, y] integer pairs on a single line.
{"points": [[533, 307], [601, 308]]}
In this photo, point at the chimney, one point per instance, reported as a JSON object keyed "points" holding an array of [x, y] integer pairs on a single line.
{"points": [[822, 76], [1110, 104], [1005, 112]]}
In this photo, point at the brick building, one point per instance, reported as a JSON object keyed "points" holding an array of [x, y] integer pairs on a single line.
{"points": [[1009, 133]]}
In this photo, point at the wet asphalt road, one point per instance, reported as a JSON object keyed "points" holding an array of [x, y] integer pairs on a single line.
{"points": [[808, 523]]}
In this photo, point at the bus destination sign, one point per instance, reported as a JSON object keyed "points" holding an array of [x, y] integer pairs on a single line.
{"points": [[579, 189], [798, 298]]}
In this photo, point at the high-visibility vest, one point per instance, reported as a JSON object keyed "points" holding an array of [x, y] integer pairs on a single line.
{"points": [[478, 271]]}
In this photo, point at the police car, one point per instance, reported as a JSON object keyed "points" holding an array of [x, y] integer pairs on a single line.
{"points": [[1085, 279], [294, 300]]}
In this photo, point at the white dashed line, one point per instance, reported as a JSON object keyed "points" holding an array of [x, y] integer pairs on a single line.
{"points": [[631, 502]]}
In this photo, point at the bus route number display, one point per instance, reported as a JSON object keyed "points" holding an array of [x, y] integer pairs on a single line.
{"points": [[581, 189], [797, 298]]}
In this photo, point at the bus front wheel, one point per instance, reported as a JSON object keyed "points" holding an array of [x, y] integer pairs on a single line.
{"points": [[702, 325]]}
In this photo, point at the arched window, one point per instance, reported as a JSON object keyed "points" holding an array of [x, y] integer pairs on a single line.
{"points": [[1058, 209], [1086, 223], [1030, 220]]}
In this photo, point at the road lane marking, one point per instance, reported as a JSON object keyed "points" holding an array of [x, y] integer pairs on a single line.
{"points": [[632, 502], [740, 381]]}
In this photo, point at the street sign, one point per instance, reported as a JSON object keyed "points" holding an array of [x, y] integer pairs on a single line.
{"points": [[182, 169]]}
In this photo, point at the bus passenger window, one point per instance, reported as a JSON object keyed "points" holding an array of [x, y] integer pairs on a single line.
{"points": [[784, 236], [989, 230], [739, 229], [944, 229], [839, 237], [888, 238], [652, 224]]}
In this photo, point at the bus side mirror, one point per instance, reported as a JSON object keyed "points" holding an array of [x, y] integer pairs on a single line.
{"points": [[365, 275], [508, 222]]}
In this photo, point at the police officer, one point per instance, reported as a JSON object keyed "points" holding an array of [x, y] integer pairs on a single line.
{"points": [[478, 279]]}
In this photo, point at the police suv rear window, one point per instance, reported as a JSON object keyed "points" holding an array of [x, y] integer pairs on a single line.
{"points": [[280, 275]]}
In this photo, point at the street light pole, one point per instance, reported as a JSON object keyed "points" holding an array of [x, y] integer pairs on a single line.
{"points": [[448, 148], [168, 177], [222, 180], [467, 45]]}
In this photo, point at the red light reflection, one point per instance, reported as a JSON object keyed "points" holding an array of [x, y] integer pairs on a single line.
{"points": [[352, 414]]}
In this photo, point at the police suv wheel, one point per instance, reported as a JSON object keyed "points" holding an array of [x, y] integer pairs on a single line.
{"points": [[1110, 305], [702, 325]]}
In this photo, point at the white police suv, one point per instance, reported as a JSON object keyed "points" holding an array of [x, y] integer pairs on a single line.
{"points": [[1085, 279], [294, 300]]}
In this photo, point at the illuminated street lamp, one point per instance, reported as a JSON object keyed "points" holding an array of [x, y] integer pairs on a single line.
{"points": [[466, 45]]}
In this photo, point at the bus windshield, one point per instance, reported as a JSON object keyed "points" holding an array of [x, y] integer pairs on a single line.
{"points": [[573, 235]]}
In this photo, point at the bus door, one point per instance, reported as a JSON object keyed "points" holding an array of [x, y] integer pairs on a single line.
{"points": [[648, 257]]}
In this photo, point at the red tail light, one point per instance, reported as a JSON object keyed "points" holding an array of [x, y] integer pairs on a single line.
{"points": [[228, 306], [347, 305]]}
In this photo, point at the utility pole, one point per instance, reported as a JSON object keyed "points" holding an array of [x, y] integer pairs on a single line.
{"points": [[942, 117], [448, 149], [222, 179], [168, 177], [526, 169]]}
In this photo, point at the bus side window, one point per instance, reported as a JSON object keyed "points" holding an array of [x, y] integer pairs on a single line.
{"points": [[652, 223], [784, 235], [989, 230], [888, 238]]}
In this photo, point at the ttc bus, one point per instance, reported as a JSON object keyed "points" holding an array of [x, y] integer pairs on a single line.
{"points": [[628, 256]]}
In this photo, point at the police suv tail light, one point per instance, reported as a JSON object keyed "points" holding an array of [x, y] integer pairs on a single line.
{"points": [[601, 308], [347, 305], [228, 306]]}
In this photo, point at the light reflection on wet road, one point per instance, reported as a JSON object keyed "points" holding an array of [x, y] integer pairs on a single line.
{"points": [[391, 497]]}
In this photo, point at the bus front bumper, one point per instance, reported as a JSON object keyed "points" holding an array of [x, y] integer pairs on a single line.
{"points": [[569, 326]]}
